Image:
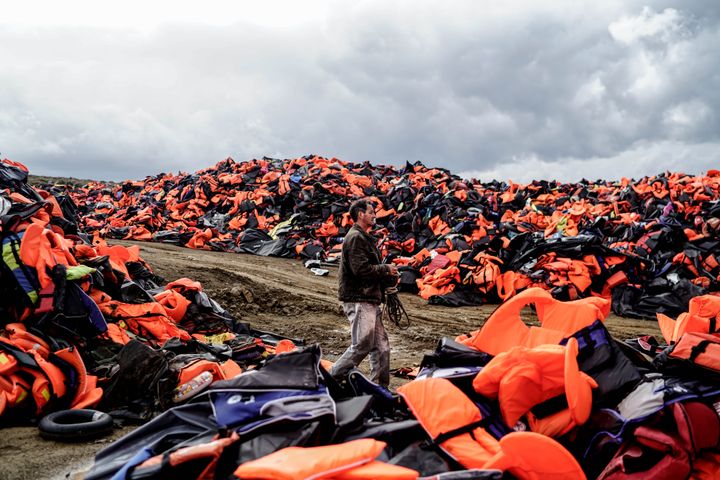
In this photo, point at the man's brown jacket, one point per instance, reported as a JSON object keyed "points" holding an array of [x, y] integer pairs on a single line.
{"points": [[362, 276]]}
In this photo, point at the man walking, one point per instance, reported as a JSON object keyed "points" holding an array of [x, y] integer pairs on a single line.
{"points": [[361, 282]]}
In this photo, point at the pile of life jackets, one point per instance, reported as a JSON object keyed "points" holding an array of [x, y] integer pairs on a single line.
{"points": [[561, 400], [85, 324], [648, 245]]}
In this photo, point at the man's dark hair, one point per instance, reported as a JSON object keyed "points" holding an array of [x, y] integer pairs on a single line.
{"points": [[358, 206]]}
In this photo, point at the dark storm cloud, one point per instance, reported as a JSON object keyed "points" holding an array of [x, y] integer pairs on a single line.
{"points": [[523, 91]]}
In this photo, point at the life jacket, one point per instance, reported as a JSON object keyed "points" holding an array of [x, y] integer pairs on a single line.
{"points": [[600, 357], [543, 383], [25, 340], [194, 461], [88, 394], [37, 381], [694, 354], [117, 334], [505, 329], [440, 282], [184, 284], [455, 425], [26, 286], [14, 391], [174, 303], [42, 249], [63, 368], [283, 346], [145, 319], [200, 239], [659, 452], [378, 471], [701, 317], [120, 255], [706, 466], [441, 407], [220, 371], [296, 463]]}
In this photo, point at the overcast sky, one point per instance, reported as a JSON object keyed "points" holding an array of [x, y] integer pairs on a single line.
{"points": [[515, 90]]}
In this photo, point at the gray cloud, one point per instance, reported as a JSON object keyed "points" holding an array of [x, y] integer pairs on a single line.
{"points": [[520, 91]]}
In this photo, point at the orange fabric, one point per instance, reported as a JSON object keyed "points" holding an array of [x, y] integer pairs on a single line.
{"points": [[284, 346], [297, 463], [709, 357], [53, 373], [706, 467], [42, 249], [143, 319], [701, 310], [25, 340], [84, 251], [117, 334], [184, 284], [377, 471], [22, 167], [438, 226], [40, 386], [524, 377], [88, 393], [531, 456], [174, 303], [440, 407], [440, 282], [8, 363], [119, 255], [13, 391], [505, 329], [224, 371], [328, 228], [200, 239], [209, 452]]}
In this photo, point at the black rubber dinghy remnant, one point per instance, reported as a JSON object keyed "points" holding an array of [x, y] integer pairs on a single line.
{"points": [[75, 425]]}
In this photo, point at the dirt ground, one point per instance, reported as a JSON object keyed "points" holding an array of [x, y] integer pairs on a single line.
{"points": [[272, 294]]}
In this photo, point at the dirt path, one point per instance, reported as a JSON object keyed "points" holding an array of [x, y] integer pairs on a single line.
{"points": [[289, 299], [272, 294]]}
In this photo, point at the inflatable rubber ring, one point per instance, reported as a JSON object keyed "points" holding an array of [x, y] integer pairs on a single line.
{"points": [[75, 425]]}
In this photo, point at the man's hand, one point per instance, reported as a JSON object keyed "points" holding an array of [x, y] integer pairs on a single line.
{"points": [[393, 270]]}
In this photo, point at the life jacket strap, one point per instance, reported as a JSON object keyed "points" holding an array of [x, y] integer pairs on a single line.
{"points": [[445, 436], [699, 349], [550, 406]]}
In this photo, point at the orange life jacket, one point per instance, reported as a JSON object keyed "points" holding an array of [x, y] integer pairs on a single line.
{"points": [[42, 249], [209, 452], [184, 284], [297, 463], [88, 393], [523, 378], [174, 303], [703, 316], [377, 471], [505, 329], [117, 334], [220, 371], [454, 422], [143, 319], [441, 407], [40, 386]]}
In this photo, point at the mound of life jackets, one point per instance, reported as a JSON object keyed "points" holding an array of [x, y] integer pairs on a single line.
{"points": [[85, 324], [649, 245], [558, 400]]}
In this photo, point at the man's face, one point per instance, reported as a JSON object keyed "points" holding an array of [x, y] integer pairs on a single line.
{"points": [[366, 219]]}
